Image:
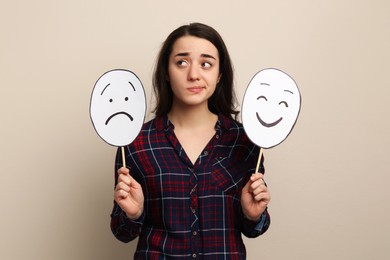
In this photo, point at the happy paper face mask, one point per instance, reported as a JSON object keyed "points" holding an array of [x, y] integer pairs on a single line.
{"points": [[270, 107], [118, 107]]}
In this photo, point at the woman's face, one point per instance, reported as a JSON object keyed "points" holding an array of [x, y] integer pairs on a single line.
{"points": [[193, 70]]}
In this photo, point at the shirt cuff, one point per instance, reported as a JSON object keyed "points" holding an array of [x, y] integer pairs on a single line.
{"points": [[127, 220], [255, 228], [261, 222]]}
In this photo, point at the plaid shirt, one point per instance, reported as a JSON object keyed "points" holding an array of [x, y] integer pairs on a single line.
{"points": [[191, 210]]}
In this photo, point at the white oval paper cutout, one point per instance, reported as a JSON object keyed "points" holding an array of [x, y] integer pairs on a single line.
{"points": [[271, 106], [118, 107]]}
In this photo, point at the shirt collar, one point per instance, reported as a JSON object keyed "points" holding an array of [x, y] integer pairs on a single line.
{"points": [[225, 122], [163, 123]]}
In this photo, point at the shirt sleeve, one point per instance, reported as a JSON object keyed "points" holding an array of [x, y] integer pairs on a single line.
{"points": [[251, 228], [254, 229], [124, 228]]}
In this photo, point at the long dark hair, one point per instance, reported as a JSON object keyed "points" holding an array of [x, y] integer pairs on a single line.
{"points": [[223, 99]]}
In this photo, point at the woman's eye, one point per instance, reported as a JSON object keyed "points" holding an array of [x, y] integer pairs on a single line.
{"points": [[206, 65], [284, 103], [181, 63]]}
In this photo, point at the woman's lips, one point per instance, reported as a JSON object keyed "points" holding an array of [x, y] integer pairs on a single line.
{"points": [[195, 89]]}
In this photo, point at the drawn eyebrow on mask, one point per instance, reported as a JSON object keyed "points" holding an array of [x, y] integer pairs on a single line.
{"points": [[110, 84], [132, 85], [105, 88], [266, 84], [289, 91]]}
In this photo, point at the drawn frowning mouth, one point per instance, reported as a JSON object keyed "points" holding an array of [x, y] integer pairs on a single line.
{"points": [[268, 124], [119, 113]]}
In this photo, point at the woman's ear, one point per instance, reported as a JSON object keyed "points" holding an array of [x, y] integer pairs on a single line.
{"points": [[219, 78]]}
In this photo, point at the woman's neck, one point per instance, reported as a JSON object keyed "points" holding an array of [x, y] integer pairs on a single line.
{"points": [[192, 117], [194, 127]]}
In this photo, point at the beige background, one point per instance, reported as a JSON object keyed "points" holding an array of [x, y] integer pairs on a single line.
{"points": [[329, 180]]}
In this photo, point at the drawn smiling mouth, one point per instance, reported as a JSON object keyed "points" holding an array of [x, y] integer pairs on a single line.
{"points": [[268, 124], [119, 113]]}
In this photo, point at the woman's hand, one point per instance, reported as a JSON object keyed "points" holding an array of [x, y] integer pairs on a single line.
{"points": [[255, 197], [128, 194]]}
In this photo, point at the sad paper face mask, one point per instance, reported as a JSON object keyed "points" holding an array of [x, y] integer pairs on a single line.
{"points": [[270, 107], [118, 107]]}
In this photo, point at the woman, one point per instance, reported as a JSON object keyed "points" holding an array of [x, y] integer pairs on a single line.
{"points": [[191, 191]]}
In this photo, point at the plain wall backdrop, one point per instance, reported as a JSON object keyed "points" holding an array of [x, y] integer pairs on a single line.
{"points": [[329, 180]]}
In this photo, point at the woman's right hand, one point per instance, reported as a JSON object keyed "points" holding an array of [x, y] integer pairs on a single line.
{"points": [[128, 194]]}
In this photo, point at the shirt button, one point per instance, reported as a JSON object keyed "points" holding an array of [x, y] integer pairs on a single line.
{"points": [[217, 136], [194, 255], [206, 153], [194, 233]]}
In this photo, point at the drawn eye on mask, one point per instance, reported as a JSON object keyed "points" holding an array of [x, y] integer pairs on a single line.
{"points": [[270, 108], [118, 107]]}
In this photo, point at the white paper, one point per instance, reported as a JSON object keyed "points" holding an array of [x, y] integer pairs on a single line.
{"points": [[118, 107], [270, 108]]}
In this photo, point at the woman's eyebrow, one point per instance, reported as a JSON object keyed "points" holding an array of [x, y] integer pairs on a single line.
{"points": [[182, 54], [208, 56], [185, 54]]}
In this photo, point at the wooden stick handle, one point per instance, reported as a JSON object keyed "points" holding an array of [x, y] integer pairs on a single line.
{"points": [[123, 156], [258, 160]]}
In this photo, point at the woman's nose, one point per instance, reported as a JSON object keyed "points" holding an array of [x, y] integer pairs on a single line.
{"points": [[193, 73]]}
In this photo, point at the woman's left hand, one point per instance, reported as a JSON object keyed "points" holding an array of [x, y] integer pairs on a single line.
{"points": [[255, 197]]}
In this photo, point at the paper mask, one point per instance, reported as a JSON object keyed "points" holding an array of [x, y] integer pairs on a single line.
{"points": [[118, 107], [270, 107]]}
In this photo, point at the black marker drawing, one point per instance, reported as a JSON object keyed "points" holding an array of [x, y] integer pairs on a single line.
{"points": [[118, 107], [270, 108]]}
